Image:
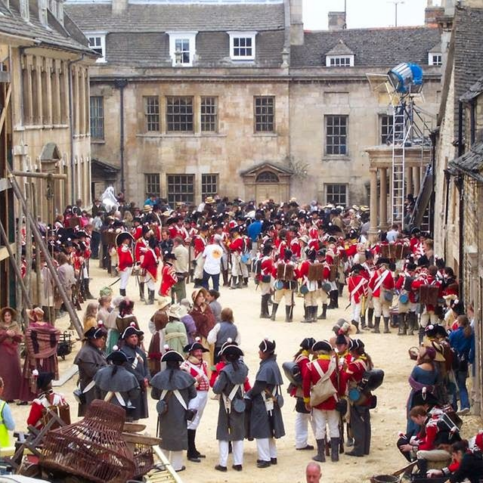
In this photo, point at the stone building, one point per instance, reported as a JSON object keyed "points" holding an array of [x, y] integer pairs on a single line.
{"points": [[459, 161], [44, 116], [233, 97]]}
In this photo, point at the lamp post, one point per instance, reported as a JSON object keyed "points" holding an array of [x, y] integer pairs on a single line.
{"points": [[396, 4]]}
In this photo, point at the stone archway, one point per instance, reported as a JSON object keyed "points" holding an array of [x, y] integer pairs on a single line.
{"points": [[267, 181]]}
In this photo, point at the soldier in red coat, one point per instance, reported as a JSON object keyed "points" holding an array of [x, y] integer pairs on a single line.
{"points": [[264, 277], [168, 275], [125, 259], [150, 266], [382, 286], [358, 287], [325, 413]]}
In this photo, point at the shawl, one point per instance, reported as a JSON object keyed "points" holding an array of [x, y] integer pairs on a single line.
{"points": [[417, 386], [10, 344], [204, 320], [41, 341]]}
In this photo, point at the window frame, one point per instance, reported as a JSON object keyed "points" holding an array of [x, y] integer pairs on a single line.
{"points": [[148, 115], [102, 47], [149, 183], [432, 56], [252, 35], [333, 135], [345, 194], [180, 131], [255, 121], [190, 36], [214, 114], [92, 119], [331, 60], [179, 196], [216, 182], [389, 127]]}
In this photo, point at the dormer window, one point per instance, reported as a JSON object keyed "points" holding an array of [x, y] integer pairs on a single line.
{"points": [[182, 48], [97, 42], [435, 59], [43, 12], [340, 61], [242, 45], [25, 9]]}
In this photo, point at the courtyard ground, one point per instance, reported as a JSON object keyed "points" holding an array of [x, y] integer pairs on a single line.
{"points": [[388, 351]]}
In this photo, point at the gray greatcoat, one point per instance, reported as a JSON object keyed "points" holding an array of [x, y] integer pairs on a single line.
{"points": [[262, 424], [231, 425], [141, 371], [118, 380], [89, 360], [173, 429]]}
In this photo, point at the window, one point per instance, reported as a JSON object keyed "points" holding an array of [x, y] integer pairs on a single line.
{"points": [[265, 114], [340, 61], [209, 114], [25, 9], [267, 177], [179, 114], [336, 194], [336, 135], [386, 129], [151, 113], [435, 59], [152, 184], [182, 48], [97, 43], [181, 187], [97, 117], [242, 45], [209, 185]]}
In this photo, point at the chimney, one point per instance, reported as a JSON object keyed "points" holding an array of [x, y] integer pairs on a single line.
{"points": [[337, 21], [119, 6], [296, 23], [431, 14]]}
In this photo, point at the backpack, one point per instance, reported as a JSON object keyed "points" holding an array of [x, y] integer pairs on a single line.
{"points": [[292, 373], [371, 380], [323, 388]]}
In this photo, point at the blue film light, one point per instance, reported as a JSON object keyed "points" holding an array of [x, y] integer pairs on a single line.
{"points": [[406, 78]]}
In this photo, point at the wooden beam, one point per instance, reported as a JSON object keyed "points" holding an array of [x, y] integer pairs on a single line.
{"points": [[4, 252], [30, 174], [5, 107]]}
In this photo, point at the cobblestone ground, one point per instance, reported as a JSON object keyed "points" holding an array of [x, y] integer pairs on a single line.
{"points": [[389, 352]]}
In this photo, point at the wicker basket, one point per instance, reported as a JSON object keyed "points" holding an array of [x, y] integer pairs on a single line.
{"points": [[143, 459], [92, 448]]}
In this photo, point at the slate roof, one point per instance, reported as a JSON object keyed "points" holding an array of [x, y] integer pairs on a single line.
{"points": [[340, 49], [471, 163], [212, 49], [165, 17], [474, 91], [384, 47], [56, 35]]}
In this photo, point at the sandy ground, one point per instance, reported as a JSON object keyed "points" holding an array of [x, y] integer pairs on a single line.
{"points": [[389, 352]]}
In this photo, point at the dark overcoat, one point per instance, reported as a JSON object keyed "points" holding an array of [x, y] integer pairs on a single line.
{"points": [[231, 425], [140, 370], [173, 429], [263, 423]]}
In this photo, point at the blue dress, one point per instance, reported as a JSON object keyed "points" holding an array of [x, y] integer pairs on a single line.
{"points": [[426, 378]]}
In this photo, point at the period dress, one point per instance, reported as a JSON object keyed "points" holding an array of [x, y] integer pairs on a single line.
{"points": [[10, 370]]}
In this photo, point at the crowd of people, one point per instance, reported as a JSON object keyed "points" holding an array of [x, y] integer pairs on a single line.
{"points": [[291, 252]]}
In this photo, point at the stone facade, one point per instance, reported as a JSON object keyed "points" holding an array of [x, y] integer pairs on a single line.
{"points": [[289, 65]]}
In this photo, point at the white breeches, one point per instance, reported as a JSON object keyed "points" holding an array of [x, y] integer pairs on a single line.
{"points": [[198, 403], [267, 449], [323, 418], [237, 452], [302, 429], [124, 277]]}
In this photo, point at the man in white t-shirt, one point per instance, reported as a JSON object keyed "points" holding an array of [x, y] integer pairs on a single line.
{"points": [[213, 254]]}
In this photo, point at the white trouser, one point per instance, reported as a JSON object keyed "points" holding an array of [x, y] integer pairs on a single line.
{"points": [[238, 269], [323, 295], [200, 263], [265, 288], [124, 277], [381, 307], [356, 309], [302, 429], [280, 294], [310, 299], [267, 449], [175, 458], [237, 452], [198, 403], [323, 418], [427, 317], [149, 281]]}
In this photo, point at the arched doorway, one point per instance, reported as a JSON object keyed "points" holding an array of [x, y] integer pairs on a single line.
{"points": [[268, 186]]}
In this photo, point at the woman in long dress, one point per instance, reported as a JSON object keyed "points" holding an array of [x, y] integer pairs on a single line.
{"points": [[10, 338]]}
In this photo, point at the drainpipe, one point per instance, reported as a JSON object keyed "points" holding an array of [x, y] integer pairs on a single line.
{"points": [[460, 185], [472, 122], [71, 127], [433, 136], [121, 84]]}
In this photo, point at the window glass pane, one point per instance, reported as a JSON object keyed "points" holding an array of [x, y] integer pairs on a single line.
{"points": [[152, 184], [265, 114], [97, 117], [336, 135], [180, 188], [386, 129], [336, 194], [179, 114], [209, 114], [151, 113], [242, 47]]}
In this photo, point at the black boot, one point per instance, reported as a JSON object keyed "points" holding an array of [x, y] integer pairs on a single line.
{"points": [[423, 467], [191, 455], [234, 282], [320, 456], [314, 313], [224, 274], [141, 291], [323, 315], [363, 322], [306, 318], [122, 292], [356, 325], [274, 311], [332, 304], [150, 297], [386, 325], [334, 449], [411, 320], [376, 325], [288, 309], [197, 453], [402, 324], [245, 281], [265, 314], [336, 299], [370, 314], [87, 292]]}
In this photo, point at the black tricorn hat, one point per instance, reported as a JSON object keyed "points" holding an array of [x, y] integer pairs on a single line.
{"points": [[420, 398], [322, 345]]}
